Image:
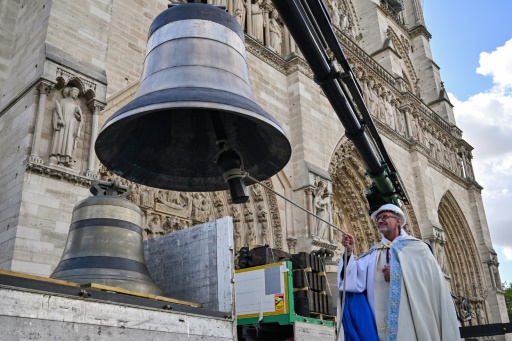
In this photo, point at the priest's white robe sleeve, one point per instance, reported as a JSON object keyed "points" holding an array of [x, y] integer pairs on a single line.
{"points": [[356, 274]]}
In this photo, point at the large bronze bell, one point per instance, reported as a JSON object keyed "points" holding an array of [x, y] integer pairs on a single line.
{"points": [[194, 124], [104, 244]]}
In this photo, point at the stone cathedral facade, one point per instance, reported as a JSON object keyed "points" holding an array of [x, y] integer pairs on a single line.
{"points": [[66, 66]]}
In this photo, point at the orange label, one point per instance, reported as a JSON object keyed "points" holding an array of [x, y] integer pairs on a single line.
{"points": [[279, 302]]}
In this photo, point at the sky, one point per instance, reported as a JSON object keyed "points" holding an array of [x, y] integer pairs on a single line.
{"points": [[472, 44]]}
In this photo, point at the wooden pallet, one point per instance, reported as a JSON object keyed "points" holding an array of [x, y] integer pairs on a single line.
{"points": [[103, 287], [38, 278], [322, 317]]}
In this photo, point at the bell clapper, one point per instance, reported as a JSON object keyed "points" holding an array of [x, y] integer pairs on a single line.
{"points": [[230, 163]]}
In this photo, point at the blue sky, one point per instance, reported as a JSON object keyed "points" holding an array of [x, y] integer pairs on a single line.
{"points": [[472, 44]]}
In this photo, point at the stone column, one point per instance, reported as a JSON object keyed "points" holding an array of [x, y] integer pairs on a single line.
{"points": [[248, 17], [44, 88], [285, 50], [96, 108], [331, 229], [408, 124], [309, 207], [292, 243], [266, 9], [293, 48]]}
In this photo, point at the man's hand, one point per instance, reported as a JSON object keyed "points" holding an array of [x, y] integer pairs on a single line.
{"points": [[348, 242], [386, 271]]}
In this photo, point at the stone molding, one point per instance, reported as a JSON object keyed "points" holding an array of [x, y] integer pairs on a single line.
{"points": [[419, 30], [59, 173]]}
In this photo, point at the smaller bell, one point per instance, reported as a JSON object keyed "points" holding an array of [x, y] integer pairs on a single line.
{"points": [[104, 244]]}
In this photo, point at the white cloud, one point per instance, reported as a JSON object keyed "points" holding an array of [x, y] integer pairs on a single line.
{"points": [[486, 122], [498, 64], [507, 251]]}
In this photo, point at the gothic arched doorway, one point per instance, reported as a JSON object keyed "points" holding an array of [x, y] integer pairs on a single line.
{"points": [[349, 204]]}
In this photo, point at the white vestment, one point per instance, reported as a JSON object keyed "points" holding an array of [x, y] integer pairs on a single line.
{"points": [[416, 304]]}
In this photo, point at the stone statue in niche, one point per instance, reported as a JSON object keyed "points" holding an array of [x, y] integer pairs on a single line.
{"points": [[249, 222], [257, 192], [219, 206], [390, 109], [155, 225], [495, 273], [200, 208], [321, 205], [235, 213], [239, 12], [67, 121], [275, 32], [263, 224], [334, 13], [414, 129], [257, 20], [345, 20], [134, 195], [400, 121], [440, 256], [381, 107], [480, 314]]}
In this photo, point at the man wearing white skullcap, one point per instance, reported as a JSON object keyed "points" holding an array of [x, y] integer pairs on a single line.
{"points": [[402, 283]]}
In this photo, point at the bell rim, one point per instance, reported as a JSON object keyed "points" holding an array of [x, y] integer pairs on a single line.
{"points": [[182, 184]]}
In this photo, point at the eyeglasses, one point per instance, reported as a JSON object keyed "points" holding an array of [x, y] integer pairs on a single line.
{"points": [[385, 216]]}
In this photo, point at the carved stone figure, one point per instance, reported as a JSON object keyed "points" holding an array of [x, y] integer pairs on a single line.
{"points": [[200, 208], [235, 213], [495, 273], [373, 98], [381, 106], [257, 20], [145, 200], [239, 12], [414, 129], [67, 121], [334, 12], [219, 206], [480, 314], [441, 257], [400, 122], [257, 192], [249, 228], [134, 195], [275, 32], [321, 206], [155, 225], [262, 222]]}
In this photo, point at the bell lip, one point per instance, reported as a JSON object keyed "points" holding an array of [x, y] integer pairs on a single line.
{"points": [[186, 98], [219, 186], [188, 11]]}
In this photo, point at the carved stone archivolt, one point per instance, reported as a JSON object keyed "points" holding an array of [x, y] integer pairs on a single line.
{"points": [[343, 17], [257, 222], [461, 261], [349, 204]]}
